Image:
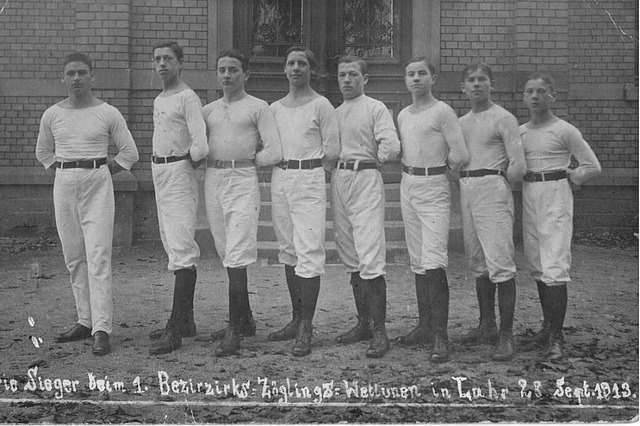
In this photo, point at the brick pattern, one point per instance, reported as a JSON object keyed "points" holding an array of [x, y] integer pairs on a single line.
{"points": [[184, 21], [600, 53], [474, 31]]}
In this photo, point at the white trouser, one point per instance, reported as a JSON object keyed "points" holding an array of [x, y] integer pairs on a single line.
{"points": [[426, 210], [547, 227], [85, 208], [486, 205], [357, 202], [298, 211], [232, 201], [176, 189]]}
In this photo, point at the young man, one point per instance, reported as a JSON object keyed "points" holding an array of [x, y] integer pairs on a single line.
{"points": [[74, 138], [547, 203], [179, 144], [242, 135], [496, 160], [432, 141], [368, 138], [309, 133]]}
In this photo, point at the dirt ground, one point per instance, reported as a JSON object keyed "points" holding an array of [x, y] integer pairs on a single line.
{"points": [[46, 382]]}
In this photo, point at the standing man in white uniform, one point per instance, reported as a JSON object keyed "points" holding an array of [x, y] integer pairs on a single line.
{"points": [[368, 138], [179, 145], [432, 141], [496, 161], [74, 139], [309, 133], [242, 135], [547, 203]]}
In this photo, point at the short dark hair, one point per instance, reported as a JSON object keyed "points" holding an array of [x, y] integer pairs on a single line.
{"points": [[77, 57], [173, 45], [482, 66], [311, 57], [544, 77], [348, 59], [236, 54], [432, 69]]}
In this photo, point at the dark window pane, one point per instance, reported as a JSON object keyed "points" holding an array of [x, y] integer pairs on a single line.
{"points": [[368, 28], [277, 25]]}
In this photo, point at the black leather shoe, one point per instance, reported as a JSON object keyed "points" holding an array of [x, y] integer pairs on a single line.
{"points": [[101, 343], [77, 332]]}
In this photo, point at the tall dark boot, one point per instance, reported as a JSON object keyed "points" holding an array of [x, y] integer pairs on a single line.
{"points": [[439, 295], [362, 330], [309, 290], [290, 330], [188, 325], [237, 309], [377, 296], [542, 336], [507, 306], [486, 332], [557, 303], [423, 333], [172, 337]]}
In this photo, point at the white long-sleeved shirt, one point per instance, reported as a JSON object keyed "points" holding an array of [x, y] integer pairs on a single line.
{"points": [[238, 130], [69, 134], [493, 141], [308, 131], [367, 132], [178, 126], [431, 137], [551, 146]]}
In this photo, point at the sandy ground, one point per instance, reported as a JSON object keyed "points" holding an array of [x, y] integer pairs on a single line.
{"points": [[597, 381]]}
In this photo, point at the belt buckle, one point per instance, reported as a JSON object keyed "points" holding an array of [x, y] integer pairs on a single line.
{"points": [[410, 170], [218, 164], [284, 164]]}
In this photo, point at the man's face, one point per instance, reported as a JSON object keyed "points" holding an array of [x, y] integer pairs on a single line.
{"points": [[166, 63], [538, 96], [418, 78], [77, 77], [297, 69], [477, 86], [351, 80], [231, 77]]}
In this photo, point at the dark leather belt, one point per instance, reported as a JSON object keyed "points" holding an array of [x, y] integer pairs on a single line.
{"points": [[544, 176], [422, 171], [170, 159], [230, 164], [300, 164], [481, 172], [81, 164], [351, 165]]}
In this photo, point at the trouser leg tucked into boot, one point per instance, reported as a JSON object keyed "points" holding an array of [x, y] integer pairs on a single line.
{"points": [[486, 332], [172, 337], [188, 324], [238, 307], [309, 290], [290, 330], [557, 304], [542, 336], [507, 306], [362, 330], [439, 296], [423, 333], [377, 296]]}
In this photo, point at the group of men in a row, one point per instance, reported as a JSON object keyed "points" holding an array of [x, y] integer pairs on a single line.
{"points": [[302, 136]]}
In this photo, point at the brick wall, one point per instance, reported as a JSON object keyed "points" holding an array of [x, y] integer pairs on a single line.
{"points": [[585, 44]]}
